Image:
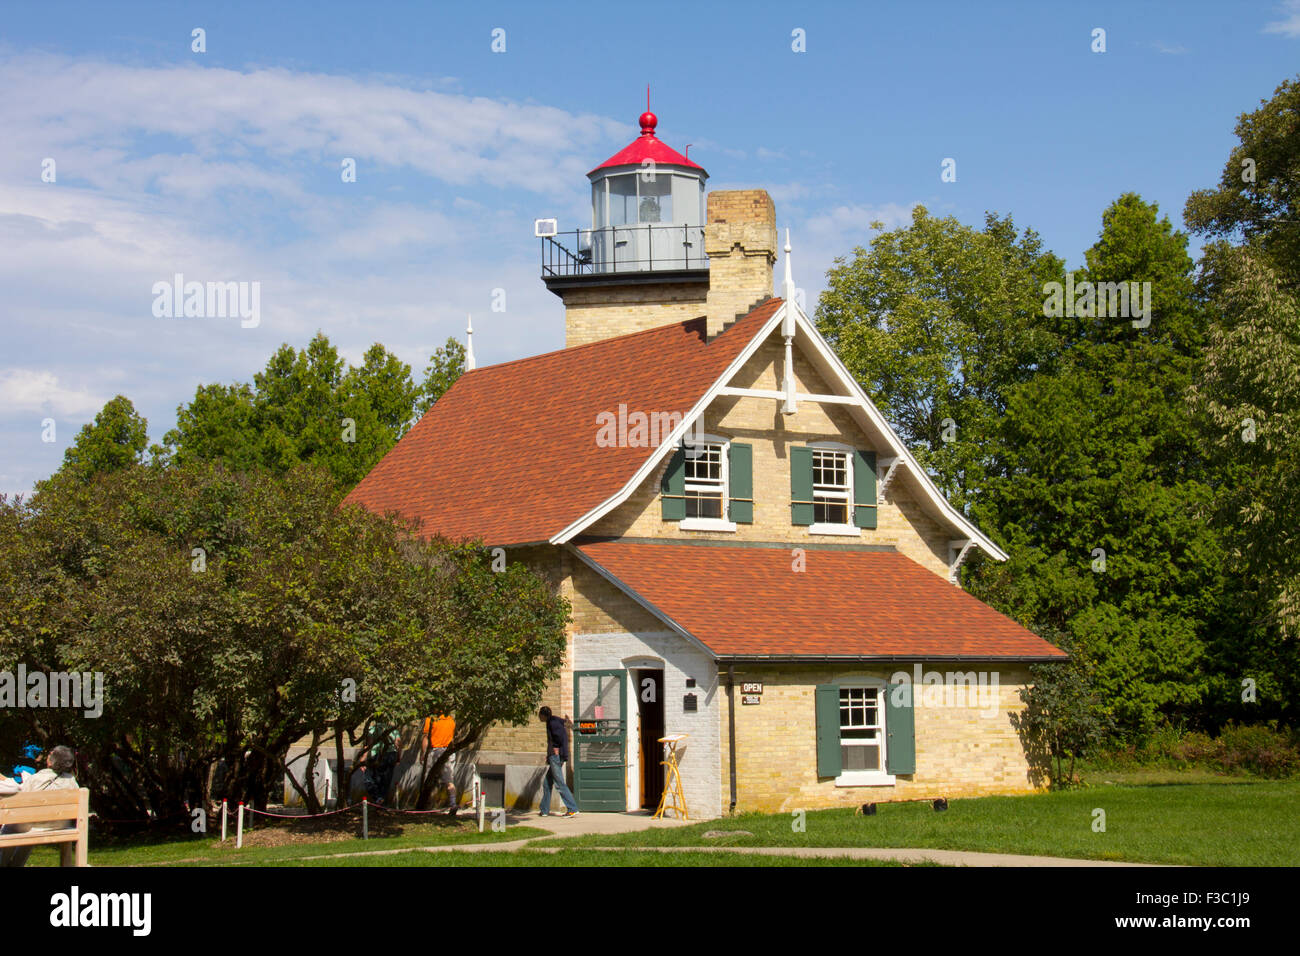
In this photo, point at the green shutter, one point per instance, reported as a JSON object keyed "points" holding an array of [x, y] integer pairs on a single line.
{"points": [[673, 488], [864, 488], [828, 730], [801, 489], [900, 729], [740, 466]]}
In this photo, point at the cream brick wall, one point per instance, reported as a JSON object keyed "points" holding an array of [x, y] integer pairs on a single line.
{"points": [[592, 314], [740, 240], [900, 520], [961, 751]]}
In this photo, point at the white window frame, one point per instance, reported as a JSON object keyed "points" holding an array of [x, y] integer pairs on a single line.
{"points": [[869, 778], [712, 524], [846, 530]]}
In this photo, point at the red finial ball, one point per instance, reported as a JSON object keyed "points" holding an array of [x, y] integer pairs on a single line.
{"points": [[648, 123]]}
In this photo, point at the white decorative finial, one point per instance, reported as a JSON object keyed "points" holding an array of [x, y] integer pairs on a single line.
{"points": [[791, 404], [469, 343], [789, 272]]}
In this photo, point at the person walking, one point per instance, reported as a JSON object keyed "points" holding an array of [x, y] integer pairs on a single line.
{"points": [[557, 754], [438, 734]]}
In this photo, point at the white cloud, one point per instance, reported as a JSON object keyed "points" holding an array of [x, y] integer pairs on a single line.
{"points": [[851, 223], [227, 175], [1289, 25], [29, 390], [55, 106]]}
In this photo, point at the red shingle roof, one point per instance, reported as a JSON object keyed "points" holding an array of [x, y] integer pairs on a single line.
{"points": [[509, 454], [750, 602]]}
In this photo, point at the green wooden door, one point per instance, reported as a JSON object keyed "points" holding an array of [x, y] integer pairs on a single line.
{"points": [[600, 740]]}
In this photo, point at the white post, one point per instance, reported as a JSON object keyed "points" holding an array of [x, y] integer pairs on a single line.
{"points": [[224, 814], [239, 827], [482, 808], [365, 818]]}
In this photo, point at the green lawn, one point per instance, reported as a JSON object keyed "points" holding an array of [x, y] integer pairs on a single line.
{"points": [[206, 851], [1151, 817], [1208, 824]]}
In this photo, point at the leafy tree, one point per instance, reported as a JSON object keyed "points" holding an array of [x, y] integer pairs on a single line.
{"points": [[115, 439], [228, 613], [1249, 397], [1258, 197], [938, 321], [1064, 717]]}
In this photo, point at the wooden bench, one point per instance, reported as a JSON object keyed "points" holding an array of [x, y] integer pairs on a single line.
{"points": [[49, 808]]}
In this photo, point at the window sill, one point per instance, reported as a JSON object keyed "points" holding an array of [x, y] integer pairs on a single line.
{"points": [[845, 530], [865, 778], [706, 524]]}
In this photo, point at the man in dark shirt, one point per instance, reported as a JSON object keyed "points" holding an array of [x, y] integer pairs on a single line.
{"points": [[557, 753]]}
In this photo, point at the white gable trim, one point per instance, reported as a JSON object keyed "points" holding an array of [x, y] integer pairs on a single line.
{"points": [[674, 438], [865, 405], [858, 401]]}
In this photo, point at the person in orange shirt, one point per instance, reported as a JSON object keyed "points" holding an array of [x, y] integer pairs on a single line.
{"points": [[437, 737]]}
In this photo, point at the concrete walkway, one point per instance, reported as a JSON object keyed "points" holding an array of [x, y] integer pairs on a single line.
{"points": [[610, 823], [902, 855]]}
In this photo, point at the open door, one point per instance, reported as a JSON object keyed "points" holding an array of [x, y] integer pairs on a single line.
{"points": [[600, 740], [650, 708]]}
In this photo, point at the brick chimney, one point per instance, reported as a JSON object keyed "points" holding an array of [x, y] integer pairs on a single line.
{"points": [[740, 240]]}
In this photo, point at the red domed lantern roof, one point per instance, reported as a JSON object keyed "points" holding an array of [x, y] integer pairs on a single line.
{"points": [[648, 146]]}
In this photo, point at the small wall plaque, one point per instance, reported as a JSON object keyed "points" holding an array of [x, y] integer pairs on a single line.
{"points": [[690, 704], [751, 699]]}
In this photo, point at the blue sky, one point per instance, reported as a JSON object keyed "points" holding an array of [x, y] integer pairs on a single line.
{"points": [[224, 165]]}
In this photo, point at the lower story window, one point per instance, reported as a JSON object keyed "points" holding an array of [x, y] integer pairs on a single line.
{"points": [[860, 728]]}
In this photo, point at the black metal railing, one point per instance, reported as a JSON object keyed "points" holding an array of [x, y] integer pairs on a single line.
{"points": [[646, 247]]}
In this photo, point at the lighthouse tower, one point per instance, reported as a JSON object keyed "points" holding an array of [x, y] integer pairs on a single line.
{"points": [[659, 250]]}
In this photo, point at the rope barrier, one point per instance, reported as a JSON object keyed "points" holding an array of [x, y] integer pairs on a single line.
{"points": [[399, 810], [303, 816], [264, 813], [150, 819]]}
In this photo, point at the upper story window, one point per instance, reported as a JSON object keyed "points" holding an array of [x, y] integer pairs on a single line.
{"points": [[706, 479], [708, 485], [832, 490]]}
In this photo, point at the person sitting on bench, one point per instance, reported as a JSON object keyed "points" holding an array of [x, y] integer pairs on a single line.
{"points": [[57, 775]]}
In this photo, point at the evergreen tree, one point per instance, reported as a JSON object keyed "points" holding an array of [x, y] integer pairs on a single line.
{"points": [[1106, 504], [115, 439]]}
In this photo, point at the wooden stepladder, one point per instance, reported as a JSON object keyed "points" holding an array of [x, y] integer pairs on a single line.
{"points": [[673, 798]]}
